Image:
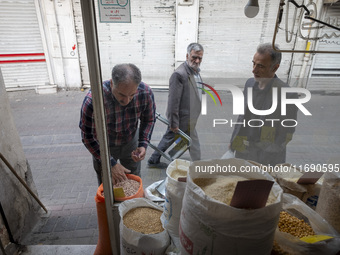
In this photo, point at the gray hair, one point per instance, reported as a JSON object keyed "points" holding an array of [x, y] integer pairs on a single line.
{"points": [[194, 47], [267, 48], [123, 73]]}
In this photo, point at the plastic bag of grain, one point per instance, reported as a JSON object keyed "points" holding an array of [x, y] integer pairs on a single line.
{"points": [[208, 226], [287, 177], [141, 230], [228, 154], [152, 194], [174, 192], [303, 231]]}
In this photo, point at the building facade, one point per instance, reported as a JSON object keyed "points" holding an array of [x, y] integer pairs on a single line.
{"points": [[42, 43]]}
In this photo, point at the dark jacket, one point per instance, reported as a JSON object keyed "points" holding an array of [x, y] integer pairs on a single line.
{"points": [[270, 140]]}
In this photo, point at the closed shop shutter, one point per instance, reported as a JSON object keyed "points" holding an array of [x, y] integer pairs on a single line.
{"points": [[148, 41], [22, 59], [326, 70]]}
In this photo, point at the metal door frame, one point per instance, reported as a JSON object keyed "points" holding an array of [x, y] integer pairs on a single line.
{"points": [[93, 59]]}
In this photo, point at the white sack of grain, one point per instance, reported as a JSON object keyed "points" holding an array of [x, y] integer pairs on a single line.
{"points": [[329, 200], [174, 192], [132, 242], [208, 226]]}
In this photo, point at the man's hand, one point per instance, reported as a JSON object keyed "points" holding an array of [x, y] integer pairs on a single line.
{"points": [[118, 173], [138, 154], [175, 129]]}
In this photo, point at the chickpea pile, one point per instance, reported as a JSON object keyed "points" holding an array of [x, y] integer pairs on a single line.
{"points": [[294, 226]]}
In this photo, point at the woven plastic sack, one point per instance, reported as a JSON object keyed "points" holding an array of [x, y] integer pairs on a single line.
{"points": [[329, 204], [174, 192], [132, 242], [208, 226], [294, 245]]}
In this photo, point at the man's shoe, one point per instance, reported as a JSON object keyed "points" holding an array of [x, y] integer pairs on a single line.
{"points": [[160, 165]]}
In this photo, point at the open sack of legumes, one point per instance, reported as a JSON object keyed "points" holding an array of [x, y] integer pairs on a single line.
{"points": [[209, 225], [302, 231], [141, 230], [128, 189], [174, 192]]}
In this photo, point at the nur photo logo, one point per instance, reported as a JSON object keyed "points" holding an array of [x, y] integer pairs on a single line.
{"points": [[280, 100], [204, 97]]}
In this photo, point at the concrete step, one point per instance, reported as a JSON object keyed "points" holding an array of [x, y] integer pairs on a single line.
{"points": [[58, 250]]}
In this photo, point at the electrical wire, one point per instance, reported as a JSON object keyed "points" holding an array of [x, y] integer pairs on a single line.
{"points": [[307, 16], [323, 23], [300, 6]]}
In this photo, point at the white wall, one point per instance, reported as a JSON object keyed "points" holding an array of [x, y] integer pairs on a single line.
{"points": [[157, 37], [160, 31], [230, 39], [187, 15], [61, 42], [148, 41]]}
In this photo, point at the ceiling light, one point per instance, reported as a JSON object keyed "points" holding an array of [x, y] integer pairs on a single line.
{"points": [[252, 8]]}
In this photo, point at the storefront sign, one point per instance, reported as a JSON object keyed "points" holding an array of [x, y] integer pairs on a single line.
{"points": [[114, 11]]}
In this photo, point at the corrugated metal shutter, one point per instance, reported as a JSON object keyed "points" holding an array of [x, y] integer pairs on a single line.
{"points": [[22, 58], [326, 70], [230, 39], [148, 41]]}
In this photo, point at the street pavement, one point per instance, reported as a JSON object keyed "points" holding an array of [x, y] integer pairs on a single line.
{"points": [[62, 167]]}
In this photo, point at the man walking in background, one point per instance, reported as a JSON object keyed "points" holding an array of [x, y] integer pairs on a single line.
{"points": [[184, 105]]}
